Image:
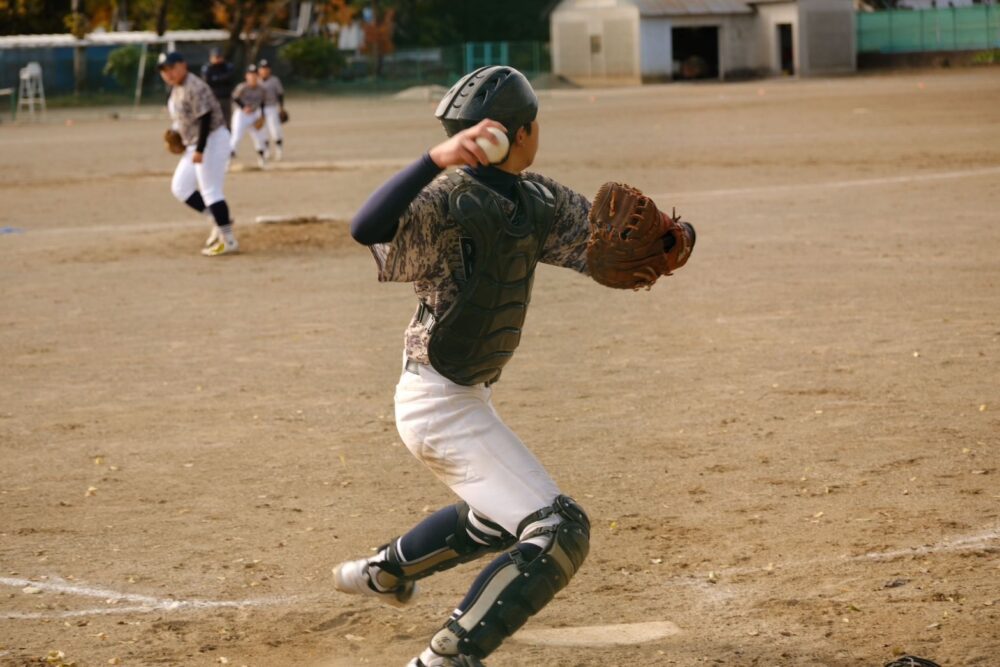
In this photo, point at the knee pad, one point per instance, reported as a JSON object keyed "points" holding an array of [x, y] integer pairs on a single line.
{"points": [[471, 537], [521, 583]]}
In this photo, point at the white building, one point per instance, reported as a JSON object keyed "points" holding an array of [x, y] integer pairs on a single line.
{"points": [[600, 41]]}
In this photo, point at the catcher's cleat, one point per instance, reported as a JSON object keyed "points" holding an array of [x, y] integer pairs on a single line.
{"points": [[221, 247], [260, 161], [353, 577], [447, 661], [911, 661]]}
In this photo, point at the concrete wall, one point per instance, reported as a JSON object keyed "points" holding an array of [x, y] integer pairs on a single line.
{"points": [[827, 37], [655, 49], [766, 49], [596, 41], [607, 41]]}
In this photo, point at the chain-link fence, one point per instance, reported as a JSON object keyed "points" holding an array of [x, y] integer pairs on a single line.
{"points": [[358, 72], [441, 65], [908, 31]]}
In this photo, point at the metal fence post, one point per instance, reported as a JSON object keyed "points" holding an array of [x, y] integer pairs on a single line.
{"points": [[988, 40], [922, 47], [954, 30], [892, 48]]}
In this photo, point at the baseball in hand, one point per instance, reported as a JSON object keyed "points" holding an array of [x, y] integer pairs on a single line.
{"points": [[494, 152]]}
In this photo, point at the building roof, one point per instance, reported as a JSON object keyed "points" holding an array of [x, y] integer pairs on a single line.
{"points": [[692, 7], [111, 38]]}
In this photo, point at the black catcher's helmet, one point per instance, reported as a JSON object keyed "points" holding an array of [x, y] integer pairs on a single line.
{"points": [[500, 93]]}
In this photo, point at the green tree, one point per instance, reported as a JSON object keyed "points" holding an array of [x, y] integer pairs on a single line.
{"points": [[123, 66], [439, 22], [19, 17], [312, 57]]}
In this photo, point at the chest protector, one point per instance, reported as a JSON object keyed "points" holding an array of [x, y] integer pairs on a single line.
{"points": [[478, 334]]}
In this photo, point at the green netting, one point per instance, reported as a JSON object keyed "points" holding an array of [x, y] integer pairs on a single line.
{"points": [[952, 29]]}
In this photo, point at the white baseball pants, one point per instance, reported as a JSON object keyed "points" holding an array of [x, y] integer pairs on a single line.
{"points": [[455, 431], [273, 122], [207, 177], [243, 123]]}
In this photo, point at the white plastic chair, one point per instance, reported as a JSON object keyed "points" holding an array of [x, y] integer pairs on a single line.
{"points": [[31, 90]]}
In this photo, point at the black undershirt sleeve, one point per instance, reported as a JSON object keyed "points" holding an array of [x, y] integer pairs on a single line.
{"points": [[203, 132], [281, 100], [378, 218]]}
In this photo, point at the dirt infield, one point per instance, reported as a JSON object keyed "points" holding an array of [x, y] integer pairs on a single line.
{"points": [[790, 450]]}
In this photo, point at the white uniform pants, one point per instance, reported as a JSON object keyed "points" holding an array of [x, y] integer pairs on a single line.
{"points": [[455, 432], [207, 177], [243, 123], [273, 122]]}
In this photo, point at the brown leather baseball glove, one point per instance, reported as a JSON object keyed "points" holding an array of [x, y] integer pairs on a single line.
{"points": [[283, 116], [172, 138], [259, 123], [631, 242]]}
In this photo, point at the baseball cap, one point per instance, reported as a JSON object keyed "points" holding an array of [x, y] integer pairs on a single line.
{"points": [[168, 59], [251, 69], [263, 63], [214, 52]]}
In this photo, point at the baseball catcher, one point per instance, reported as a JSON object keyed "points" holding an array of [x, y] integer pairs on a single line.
{"points": [[469, 234]]}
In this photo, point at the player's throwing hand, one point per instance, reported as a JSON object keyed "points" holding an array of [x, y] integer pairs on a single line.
{"points": [[462, 149]]}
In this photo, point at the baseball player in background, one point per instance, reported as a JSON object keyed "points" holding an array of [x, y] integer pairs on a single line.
{"points": [[220, 75], [200, 174], [249, 97], [274, 107], [469, 241]]}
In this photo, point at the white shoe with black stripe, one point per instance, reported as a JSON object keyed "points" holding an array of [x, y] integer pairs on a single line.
{"points": [[353, 577]]}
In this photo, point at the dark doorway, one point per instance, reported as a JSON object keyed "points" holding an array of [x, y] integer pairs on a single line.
{"points": [[786, 51], [696, 52]]}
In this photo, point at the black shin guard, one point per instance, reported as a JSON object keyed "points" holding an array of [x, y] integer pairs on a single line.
{"points": [[518, 584]]}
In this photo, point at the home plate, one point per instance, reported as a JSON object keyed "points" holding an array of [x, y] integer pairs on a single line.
{"points": [[599, 635]]}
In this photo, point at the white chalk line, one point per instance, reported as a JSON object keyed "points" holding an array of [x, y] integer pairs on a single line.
{"points": [[146, 603], [674, 196], [970, 542], [854, 183]]}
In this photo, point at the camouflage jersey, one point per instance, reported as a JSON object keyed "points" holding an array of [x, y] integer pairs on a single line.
{"points": [[249, 96], [189, 101], [426, 249], [273, 90]]}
